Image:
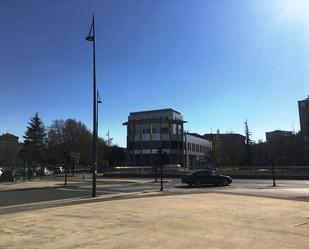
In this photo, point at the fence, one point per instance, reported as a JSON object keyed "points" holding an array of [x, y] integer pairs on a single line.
{"points": [[266, 171], [287, 172]]}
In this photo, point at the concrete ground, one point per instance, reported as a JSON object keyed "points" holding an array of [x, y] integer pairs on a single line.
{"points": [[206, 220], [50, 192]]}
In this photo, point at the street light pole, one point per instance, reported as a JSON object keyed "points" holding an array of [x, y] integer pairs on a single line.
{"points": [[273, 171], [99, 101], [161, 167], [91, 37]]}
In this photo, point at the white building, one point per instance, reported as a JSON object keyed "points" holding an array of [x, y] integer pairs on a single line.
{"points": [[148, 131]]}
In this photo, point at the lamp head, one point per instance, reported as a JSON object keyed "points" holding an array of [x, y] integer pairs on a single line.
{"points": [[90, 38]]}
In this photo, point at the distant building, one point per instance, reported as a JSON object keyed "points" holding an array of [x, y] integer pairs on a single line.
{"points": [[228, 149], [147, 131], [303, 107], [277, 135], [284, 147], [197, 151], [8, 150]]}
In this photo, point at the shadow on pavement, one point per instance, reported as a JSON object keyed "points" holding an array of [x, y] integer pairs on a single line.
{"points": [[200, 187]]}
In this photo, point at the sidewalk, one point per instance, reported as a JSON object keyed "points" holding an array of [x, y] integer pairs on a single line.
{"points": [[174, 222], [34, 184], [38, 183]]}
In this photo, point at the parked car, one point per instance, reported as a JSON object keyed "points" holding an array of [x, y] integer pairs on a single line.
{"points": [[43, 171], [8, 175], [59, 170], [209, 177], [172, 167], [1, 171]]}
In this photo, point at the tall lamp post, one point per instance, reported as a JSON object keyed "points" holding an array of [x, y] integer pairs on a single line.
{"points": [[273, 171], [99, 101], [91, 38]]}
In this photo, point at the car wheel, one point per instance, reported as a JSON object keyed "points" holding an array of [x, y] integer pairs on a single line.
{"points": [[225, 183], [197, 183]]}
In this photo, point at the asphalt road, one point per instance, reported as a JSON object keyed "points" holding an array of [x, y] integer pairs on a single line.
{"points": [[286, 189]]}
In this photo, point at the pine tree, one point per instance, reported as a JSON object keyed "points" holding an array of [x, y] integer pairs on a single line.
{"points": [[248, 142], [34, 140]]}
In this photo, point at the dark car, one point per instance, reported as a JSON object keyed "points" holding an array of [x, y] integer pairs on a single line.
{"points": [[209, 177], [8, 175], [59, 170]]}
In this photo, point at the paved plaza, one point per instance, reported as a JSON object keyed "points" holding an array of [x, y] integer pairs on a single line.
{"points": [[205, 220], [133, 213]]}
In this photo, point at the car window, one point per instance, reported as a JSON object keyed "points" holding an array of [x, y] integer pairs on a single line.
{"points": [[202, 173]]}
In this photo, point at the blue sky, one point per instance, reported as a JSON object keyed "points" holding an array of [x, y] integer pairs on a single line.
{"points": [[217, 62]]}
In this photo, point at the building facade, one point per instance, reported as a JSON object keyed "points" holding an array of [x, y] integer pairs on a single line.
{"points": [[8, 150], [228, 149], [147, 131], [197, 151], [284, 147], [303, 107]]}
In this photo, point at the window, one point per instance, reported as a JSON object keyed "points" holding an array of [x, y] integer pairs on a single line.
{"points": [[165, 144], [174, 145], [155, 144], [164, 130], [137, 129], [155, 128], [146, 128]]}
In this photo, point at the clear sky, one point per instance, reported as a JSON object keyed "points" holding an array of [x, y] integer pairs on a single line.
{"points": [[217, 62]]}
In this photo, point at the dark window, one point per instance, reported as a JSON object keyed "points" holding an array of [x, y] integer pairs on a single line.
{"points": [[165, 130], [136, 145], [146, 145], [165, 145], [174, 145], [180, 145], [155, 144]]}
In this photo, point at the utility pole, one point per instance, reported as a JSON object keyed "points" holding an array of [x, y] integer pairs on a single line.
{"points": [[91, 38], [161, 167], [273, 172], [99, 101]]}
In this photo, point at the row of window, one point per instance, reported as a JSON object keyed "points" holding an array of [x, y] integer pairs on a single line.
{"points": [[155, 128], [156, 145], [166, 145], [197, 148]]}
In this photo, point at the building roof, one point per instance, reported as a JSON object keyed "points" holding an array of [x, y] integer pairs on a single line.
{"points": [[209, 135], [279, 131], [154, 120], [196, 135], [306, 99], [7, 135], [158, 110]]}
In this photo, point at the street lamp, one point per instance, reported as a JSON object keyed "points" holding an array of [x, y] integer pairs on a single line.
{"points": [[99, 101], [161, 167], [273, 171], [91, 38]]}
